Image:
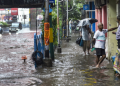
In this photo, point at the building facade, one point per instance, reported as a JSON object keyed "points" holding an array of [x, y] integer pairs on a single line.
{"points": [[106, 11], [90, 12], [23, 15], [111, 22]]}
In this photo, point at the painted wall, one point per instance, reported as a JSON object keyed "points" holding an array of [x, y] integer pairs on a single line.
{"points": [[98, 15], [104, 17], [111, 18]]}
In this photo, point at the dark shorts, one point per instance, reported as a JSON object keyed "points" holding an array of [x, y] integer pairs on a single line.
{"points": [[100, 51], [119, 43]]}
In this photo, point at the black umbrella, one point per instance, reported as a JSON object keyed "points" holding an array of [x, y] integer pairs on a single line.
{"points": [[93, 20], [86, 21]]}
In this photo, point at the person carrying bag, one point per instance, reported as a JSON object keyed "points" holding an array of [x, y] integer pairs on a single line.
{"points": [[85, 40]]}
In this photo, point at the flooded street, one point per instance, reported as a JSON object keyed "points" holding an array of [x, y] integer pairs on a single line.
{"points": [[70, 68]]}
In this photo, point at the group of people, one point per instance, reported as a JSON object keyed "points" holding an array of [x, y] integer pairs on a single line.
{"points": [[98, 40]]}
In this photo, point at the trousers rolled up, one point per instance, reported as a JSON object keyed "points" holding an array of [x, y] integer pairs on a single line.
{"points": [[86, 45]]}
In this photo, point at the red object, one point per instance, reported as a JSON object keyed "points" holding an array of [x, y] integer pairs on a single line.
{"points": [[98, 16], [24, 57], [46, 33], [46, 40], [14, 11], [1, 9]]}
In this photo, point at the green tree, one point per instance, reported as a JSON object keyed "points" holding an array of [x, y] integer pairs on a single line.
{"points": [[74, 6], [54, 23], [74, 14]]}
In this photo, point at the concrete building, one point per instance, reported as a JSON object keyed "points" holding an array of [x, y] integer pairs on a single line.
{"points": [[112, 12], [23, 15], [106, 11], [5, 14]]}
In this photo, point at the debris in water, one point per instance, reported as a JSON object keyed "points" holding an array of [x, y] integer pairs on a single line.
{"points": [[24, 58]]}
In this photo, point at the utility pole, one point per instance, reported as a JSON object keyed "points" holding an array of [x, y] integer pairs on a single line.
{"points": [[46, 21], [46, 10], [67, 39], [59, 47], [47, 60], [67, 18]]}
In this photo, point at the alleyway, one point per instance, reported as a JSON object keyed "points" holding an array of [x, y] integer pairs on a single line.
{"points": [[70, 68]]}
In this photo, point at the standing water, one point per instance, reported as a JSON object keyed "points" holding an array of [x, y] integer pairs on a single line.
{"points": [[70, 68]]}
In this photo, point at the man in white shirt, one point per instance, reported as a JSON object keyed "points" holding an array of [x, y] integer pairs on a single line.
{"points": [[99, 39]]}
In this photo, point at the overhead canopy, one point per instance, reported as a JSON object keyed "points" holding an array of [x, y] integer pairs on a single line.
{"points": [[21, 3]]}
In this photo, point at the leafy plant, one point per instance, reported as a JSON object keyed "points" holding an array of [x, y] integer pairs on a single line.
{"points": [[4, 24], [54, 26], [54, 23], [74, 12]]}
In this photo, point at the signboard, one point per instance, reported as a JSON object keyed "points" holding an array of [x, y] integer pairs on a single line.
{"points": [[46, 33], [50, 10], [51, 1], [14, 11], [86, 7], [39, 17]]}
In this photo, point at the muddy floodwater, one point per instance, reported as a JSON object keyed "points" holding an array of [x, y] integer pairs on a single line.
{"points": [[70, 68]]}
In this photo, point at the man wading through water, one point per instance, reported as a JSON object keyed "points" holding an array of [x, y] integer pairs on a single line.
{"points": [[84, 33], [99, 40]]}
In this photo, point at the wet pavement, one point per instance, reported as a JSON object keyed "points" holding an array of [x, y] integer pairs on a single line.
{"points": [[70, 68]]}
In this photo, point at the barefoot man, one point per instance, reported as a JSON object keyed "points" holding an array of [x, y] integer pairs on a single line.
{"points": [[99, 40]]}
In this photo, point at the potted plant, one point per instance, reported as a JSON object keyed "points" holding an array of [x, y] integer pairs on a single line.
{"points": [[5, 26]]}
